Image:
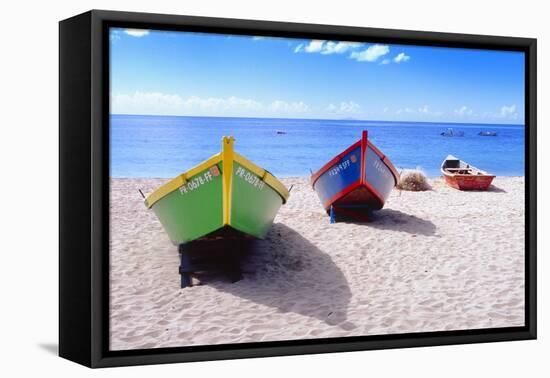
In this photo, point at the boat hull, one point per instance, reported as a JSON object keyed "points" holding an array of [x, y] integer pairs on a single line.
{"points": [[227, 192], [378, 174], [463, 176], [254, 204], [193, 210], [342, 179], [464, 182], [360, 178]]}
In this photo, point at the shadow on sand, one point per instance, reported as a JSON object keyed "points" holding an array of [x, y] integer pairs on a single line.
{"points": [[395, 220], [287, 272], [496, 189]]}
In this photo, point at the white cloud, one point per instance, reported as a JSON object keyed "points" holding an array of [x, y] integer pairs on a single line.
{"points": [[156, 103], [371, 54], [136, 32], [338, 47], [344, 107], [327, 47], [314, 46], [464, 111], [269, 38], [428, 112], [279, 106], [401, 57], [145, 103], [220, 104], [508, 112], [423, 111]]}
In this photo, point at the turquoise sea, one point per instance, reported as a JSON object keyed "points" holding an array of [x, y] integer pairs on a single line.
{"points": [[165, 146]]}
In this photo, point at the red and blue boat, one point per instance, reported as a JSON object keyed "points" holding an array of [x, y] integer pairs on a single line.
{"points": [[355, 181]]}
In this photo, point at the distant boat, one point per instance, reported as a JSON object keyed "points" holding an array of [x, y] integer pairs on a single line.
{"points": [[357, 180], [451, 133], [225, 194], [463, 176], [487, 133], [281, 132]]}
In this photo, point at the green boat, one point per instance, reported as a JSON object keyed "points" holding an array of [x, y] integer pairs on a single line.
{"points": [[223, 194]]}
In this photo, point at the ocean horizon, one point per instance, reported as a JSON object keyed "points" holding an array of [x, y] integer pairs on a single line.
{"points": [[165, 146]]}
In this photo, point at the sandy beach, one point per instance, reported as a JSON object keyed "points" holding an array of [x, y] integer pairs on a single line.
{"points": [[429, 261]]}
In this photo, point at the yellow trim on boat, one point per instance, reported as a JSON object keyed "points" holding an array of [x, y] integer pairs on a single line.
{"points": [[266, 176], [227, 156], [227, 175], [180, 180]]}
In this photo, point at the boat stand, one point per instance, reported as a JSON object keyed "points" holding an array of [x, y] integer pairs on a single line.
{"points": [[211, 256], [185, 268]]}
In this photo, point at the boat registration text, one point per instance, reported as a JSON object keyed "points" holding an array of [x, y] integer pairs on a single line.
{"points": [[340, 167], [250, 178], [196, 182]]}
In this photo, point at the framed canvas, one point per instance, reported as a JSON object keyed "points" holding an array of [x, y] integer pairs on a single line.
{"points": [[236, 188]]}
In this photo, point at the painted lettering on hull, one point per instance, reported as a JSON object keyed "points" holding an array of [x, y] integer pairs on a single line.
{"points": [[250, 178], [196, 182]]}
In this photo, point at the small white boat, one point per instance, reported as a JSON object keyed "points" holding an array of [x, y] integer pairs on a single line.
{"points": [[451, 133], [487, 133]]}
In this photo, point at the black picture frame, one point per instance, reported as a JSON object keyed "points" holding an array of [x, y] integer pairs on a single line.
{"points": [[84, 188]]}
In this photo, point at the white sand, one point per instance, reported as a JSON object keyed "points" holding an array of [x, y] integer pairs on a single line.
{"points": [[429, 261]]}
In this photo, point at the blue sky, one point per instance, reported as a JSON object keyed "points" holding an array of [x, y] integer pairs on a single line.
{"points": [[176, 73]]}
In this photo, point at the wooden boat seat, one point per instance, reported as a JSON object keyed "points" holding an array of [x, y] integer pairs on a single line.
{"points": [[458, 169], [461, 171]]}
